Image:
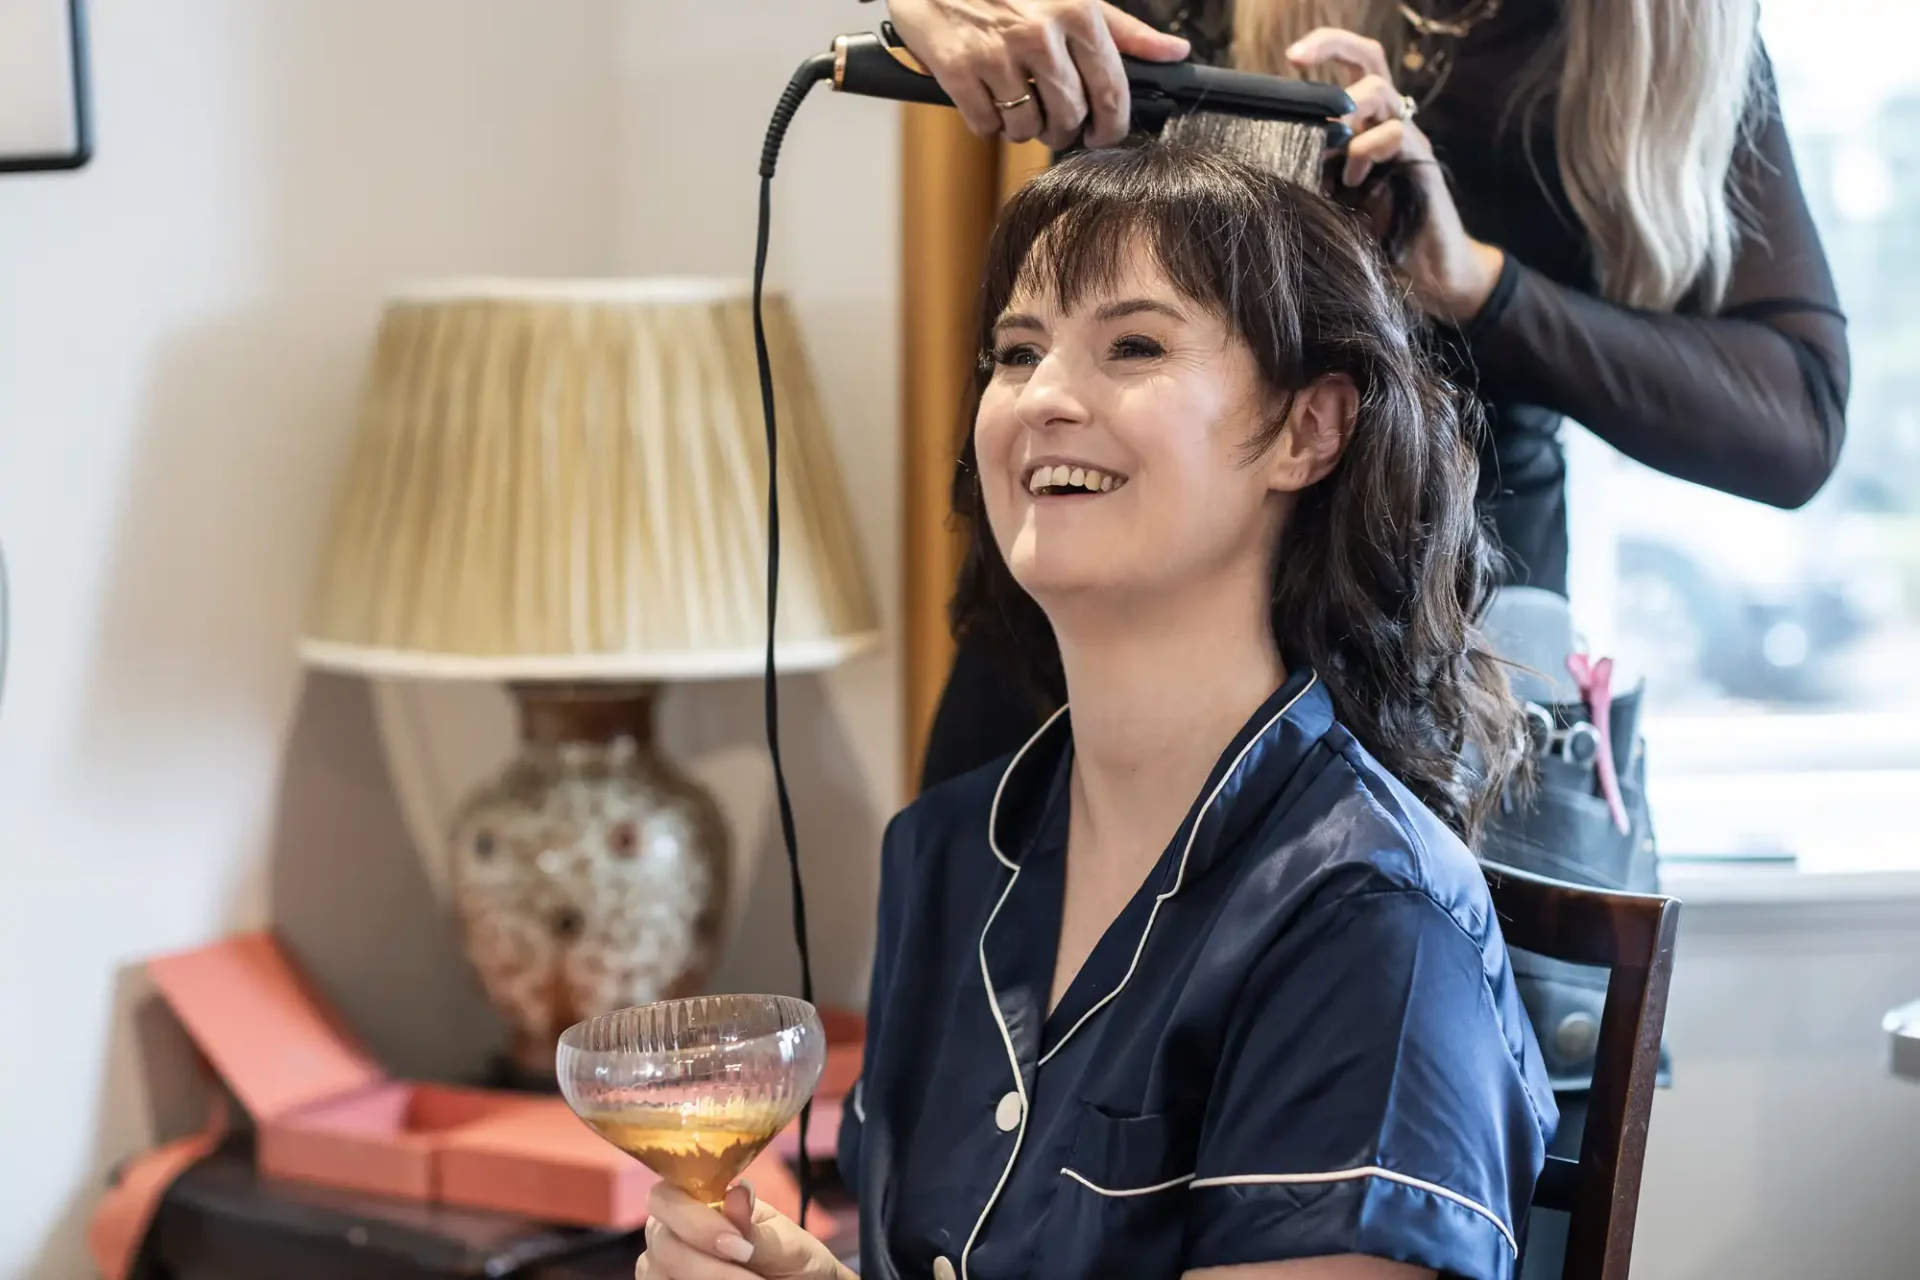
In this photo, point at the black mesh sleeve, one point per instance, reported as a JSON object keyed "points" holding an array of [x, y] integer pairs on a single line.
{"points": [[1751, 400]]}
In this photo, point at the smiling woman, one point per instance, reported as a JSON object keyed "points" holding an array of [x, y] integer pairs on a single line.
{"points": [[1156, 288], [1202, 979]]}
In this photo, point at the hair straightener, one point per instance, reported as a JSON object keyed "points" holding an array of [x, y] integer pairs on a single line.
{"points": [[880, 66]]}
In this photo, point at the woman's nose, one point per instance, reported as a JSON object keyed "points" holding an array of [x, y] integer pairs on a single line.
{"points": [[1050, 397]]}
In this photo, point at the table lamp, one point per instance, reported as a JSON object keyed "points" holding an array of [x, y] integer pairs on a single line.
{"points": [[562, 486]]}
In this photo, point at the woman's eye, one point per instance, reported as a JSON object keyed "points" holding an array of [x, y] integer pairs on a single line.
{"points": [[1137, 348], [1017, 356]]}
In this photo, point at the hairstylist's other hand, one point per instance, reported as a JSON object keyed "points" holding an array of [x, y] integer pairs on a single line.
{"points": [[1450, 272], [686, 1240], [1062, 56]]}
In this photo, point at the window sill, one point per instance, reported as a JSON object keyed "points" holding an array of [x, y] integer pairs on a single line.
{"points": [[1706, 884], [1786, 809]]}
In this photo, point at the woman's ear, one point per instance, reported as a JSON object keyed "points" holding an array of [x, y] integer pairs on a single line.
{"points": [[1319, 420]]}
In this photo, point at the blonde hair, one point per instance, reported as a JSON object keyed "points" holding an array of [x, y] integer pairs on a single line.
{"points": [[1652, 104]]}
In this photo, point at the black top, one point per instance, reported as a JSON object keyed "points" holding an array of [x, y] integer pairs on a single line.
{"points": [[1750, 400]]}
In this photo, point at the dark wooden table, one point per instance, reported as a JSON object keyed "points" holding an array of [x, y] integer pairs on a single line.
{"points": [[222, 1221]]}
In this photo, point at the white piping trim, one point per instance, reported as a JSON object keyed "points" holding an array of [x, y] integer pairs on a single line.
{"points": [[860, 1100], [1365, 1171], [993, 998], [1006, 1038], [993, 814], [1193, 833], [1168, 1185]]}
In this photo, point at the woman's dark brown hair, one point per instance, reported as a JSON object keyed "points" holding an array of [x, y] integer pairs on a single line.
{"points": [[1384, 565]]}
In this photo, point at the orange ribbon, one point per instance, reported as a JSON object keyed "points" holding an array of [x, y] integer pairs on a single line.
{"points": [[125, 1214]]}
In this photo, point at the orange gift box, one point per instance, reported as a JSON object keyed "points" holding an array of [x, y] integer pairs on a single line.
{"points": [[326, 1113], [539, 1161]]}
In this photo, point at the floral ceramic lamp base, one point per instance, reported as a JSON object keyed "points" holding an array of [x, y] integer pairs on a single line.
{"points": [[591, 875]]}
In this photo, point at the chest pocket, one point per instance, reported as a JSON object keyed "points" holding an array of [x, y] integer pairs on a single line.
{"points": [[1120, 1208]]}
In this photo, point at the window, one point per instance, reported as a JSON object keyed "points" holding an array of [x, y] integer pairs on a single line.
{"points": [[1782, 649]]}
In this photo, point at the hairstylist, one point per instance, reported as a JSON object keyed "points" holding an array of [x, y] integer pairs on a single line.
{"points": [[1615, 233]]}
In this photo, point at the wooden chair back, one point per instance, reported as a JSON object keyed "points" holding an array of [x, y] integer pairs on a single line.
{"points": [[1631, 935]]}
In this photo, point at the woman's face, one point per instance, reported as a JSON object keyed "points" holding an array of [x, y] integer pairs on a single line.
{"points": [[1112, 442]]}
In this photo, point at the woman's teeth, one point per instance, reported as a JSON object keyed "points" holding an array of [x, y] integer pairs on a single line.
{"points": [[1064, 479]]}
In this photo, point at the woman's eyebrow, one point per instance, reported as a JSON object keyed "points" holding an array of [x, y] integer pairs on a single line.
{"points": [[1137, 306], [1111, 311], [1017, 320]]}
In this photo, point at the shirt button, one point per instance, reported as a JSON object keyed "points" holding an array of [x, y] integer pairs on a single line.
{"points": [[1007, 1114], [942, 1269]]}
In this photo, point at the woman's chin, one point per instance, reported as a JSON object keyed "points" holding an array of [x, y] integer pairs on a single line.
{"points": [[1052, 580]]}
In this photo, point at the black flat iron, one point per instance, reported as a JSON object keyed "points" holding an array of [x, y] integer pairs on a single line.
{"points": [[880, 66]]}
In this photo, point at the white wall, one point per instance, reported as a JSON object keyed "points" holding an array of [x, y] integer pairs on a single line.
{"points": [[1785, 1149], [181, 326]]}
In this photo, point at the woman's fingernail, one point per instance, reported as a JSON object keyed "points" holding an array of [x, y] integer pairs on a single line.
{"points": [[753, 1198], [732, 1247]]}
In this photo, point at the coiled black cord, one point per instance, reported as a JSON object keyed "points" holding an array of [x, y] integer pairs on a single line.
{"points": [[811, 72]]}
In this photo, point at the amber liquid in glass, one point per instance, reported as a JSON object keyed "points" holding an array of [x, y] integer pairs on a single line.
{"points": [[701, 1154]]}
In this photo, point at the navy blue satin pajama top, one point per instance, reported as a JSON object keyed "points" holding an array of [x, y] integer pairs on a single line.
{"points": [[1301, 1037]]}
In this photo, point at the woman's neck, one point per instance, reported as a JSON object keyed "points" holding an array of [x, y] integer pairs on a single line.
{"points": [[1154, 705]]}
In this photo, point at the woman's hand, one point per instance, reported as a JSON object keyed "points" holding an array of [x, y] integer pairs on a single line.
{"points": [[686, 1240], [1451, 273], [1058, 60]]}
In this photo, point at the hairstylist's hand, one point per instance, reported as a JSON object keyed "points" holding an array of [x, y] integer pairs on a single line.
{"points": [[686, 1240], [1061, 56], [1450, 272]]}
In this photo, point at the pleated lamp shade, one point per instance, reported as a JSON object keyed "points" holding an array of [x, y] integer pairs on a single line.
{"points": [[567, 480]]}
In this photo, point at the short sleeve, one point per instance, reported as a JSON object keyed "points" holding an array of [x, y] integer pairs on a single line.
{"points": [[1380, 1094]]}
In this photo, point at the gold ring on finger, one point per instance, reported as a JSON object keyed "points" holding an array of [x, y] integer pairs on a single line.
{"points": [[1011, 103]]}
